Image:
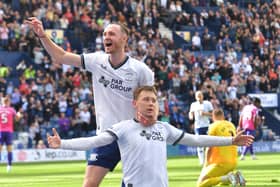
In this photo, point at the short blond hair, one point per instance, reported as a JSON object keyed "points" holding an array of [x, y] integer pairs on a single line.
{"points": [[218, 113], [140, 89], [123, 27], [6, 100]]}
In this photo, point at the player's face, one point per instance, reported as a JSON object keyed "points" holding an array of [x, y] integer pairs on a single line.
{"points": [[199, 96], [113, 39], [147, 105]]}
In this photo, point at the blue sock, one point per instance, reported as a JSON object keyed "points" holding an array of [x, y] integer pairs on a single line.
{"points": [[10, 157]]}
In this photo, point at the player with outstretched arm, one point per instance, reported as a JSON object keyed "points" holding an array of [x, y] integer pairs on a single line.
{"points": [[115, 75], [142, 141]]}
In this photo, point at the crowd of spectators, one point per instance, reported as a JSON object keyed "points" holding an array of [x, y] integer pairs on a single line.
{"points": [[60, 96]]}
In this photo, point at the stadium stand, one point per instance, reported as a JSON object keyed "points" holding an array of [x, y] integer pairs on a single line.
{"points": [[239, 49]]}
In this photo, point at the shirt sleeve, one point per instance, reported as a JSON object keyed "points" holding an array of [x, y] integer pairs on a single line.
{"points": [[117, 130], [174, 135], [89, 61], [209, 106], [147, 76], [14, 112], [84, 144], [205, 140], [191, 107]]}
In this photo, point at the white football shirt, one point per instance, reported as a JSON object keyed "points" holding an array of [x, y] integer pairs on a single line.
{"points": [[113, 87], [196, 107], [143, 151]]}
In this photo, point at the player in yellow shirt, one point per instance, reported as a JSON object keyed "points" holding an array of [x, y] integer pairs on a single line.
{"points": [[220, 161]]}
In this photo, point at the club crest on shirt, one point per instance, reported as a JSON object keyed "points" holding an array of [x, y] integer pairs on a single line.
{"points": [[154, 135], [128, 76]]}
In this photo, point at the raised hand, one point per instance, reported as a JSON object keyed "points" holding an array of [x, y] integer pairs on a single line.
{"points": [[37, 26], [54, 141], [242, 140]]}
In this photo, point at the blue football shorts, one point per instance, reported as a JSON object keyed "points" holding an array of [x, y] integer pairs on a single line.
{"points": [[6, 138], [107, 156], [201, 131]]}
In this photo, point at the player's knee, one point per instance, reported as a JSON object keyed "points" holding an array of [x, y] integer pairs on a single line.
{"points": [[94, 176], [90, 183], [9, 148], [201, 180], [199, 184]]}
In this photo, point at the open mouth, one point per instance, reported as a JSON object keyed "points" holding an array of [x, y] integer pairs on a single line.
{"points": [[108, 44], [150, 110]]}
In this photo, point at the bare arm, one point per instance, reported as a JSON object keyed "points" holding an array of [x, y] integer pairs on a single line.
{"points": [[207, 113], [239, 127], [57, 54], [257, 121], [18, 115], [191, 114]]}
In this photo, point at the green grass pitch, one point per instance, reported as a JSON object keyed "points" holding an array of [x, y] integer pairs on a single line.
{"points": [[183, 172]]}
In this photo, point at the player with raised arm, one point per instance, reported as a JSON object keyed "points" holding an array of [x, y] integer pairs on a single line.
{"points": [[7, 116], [142, 142], [115, 75]]}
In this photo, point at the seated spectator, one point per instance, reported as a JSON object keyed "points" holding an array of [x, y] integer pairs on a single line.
{"points": [[41, 145], [4, 35], [24, 87], [38, 55], [76, 125], [4, 71], [64, 125], [33, 134], [196, 42], [29, 73], [273, 79], [21, 66], [10, 88], [85, 117]]}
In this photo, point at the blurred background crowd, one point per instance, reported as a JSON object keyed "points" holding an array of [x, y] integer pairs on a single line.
{"points": [[234, 50]]}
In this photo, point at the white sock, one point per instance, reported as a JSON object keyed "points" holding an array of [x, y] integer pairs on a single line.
{"points": [[224, 179], [200, 153]]}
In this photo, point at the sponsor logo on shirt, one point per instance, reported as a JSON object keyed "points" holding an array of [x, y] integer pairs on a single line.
{"points": [[154, 135], [114, 84], [103, 81]]}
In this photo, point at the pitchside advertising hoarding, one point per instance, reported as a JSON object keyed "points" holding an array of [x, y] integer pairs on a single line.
{"points": [[44, 155], [268, 100], [47, 155]]}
